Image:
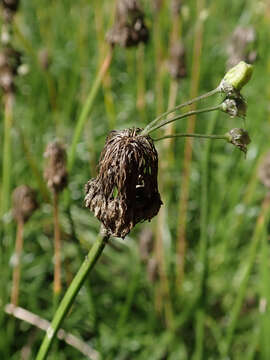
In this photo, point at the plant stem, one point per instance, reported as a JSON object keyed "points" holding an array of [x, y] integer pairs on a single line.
{"points": [[262, 220], [178, 107], [88, 105], [6, 170], [202, 136], [57, 249], [70, 295], [189, 113], [17, 267]]}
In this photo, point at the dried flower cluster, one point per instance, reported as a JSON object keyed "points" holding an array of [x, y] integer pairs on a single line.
{"points": [[10, 7], [129, 28], [177, 65], [10, 60], [125, 191], [242, 46], [55, 172], [24, 202], [239, 138]]}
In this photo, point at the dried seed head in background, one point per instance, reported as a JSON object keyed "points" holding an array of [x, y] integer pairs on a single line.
{"points": [[24, 202], [177, 64], [125, 191], [10, 60], [264, 171], [242, 46], [176, 7], [9, 7], [146, 243], [44, 59], [55, 172], [129, 28], [157, 5]]}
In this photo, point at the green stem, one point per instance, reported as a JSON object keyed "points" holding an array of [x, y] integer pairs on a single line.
{"points": [[87, 108], [203, 136], [70, 295], [257, 235], [204, 96], [187, 114]]}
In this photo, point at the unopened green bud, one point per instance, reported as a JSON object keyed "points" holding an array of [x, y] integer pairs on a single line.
{"points": [[236, 77], [239, 138]]}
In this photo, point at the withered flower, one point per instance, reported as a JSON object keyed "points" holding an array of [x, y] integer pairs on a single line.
{"points": [[55, 172], [24, 202], [239, 138], [10, 60], [125, 191], [129, 28], [264, 171], [235, 107], [177, 64]]}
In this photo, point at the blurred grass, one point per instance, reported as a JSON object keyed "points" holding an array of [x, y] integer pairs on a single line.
{"points": [[116, 314]]}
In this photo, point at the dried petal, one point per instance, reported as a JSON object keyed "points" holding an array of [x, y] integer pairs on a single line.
{"points": [[125, 191]]}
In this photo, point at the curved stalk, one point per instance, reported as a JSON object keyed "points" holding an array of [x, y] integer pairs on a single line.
{"points": [[187, 114], [69, 297], [203, 136], [178, 107]]}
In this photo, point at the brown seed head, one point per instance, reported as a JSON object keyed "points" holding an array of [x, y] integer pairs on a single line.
{"points": [[9, 7], [24, 202], [129, 29], [55, 172], [264, 171], [239, 138], [125, 191], [146, 243], [177, 65], [242, 46], [10, 60], [176, 7]]}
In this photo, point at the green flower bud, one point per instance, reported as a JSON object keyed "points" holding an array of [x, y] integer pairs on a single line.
{"points": [[236, 78]]}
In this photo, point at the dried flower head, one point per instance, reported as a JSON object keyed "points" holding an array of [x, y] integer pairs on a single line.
{"points": [[55, 172], [129, 29], [239, 138], [177, 64], [264, 170], [235, 107], [242, 46], [125, 191], [176, 7], [146, 243], [10, 60], [10, 7], [24, 202]]}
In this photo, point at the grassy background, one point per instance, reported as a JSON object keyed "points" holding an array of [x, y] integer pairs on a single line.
{"points": [[221, 310]]}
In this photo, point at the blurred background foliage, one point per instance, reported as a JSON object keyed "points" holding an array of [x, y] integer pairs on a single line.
{"points": [[136, 305]]}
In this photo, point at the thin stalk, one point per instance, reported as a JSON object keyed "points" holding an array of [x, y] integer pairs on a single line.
{"points": [[140, 103], [7, 153], [17, 268], [182, 116], [184, 193], [178, 107], [202, 136], [70, 295], [257, 235], [203, 248], [87, 107], [57, 249]]}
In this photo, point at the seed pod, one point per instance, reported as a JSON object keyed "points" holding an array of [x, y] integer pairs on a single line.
{"points": [[10, 60], [264, 171], [10, 7], [55, 172], [125, 191], [24, 202], [177, 64], [242, 46], [129, 28], [235, 107]]}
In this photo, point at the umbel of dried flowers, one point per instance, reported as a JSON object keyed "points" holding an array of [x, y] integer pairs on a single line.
{"points": [[129, 28], [55, 172], [24, 202], [125, 191]]}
